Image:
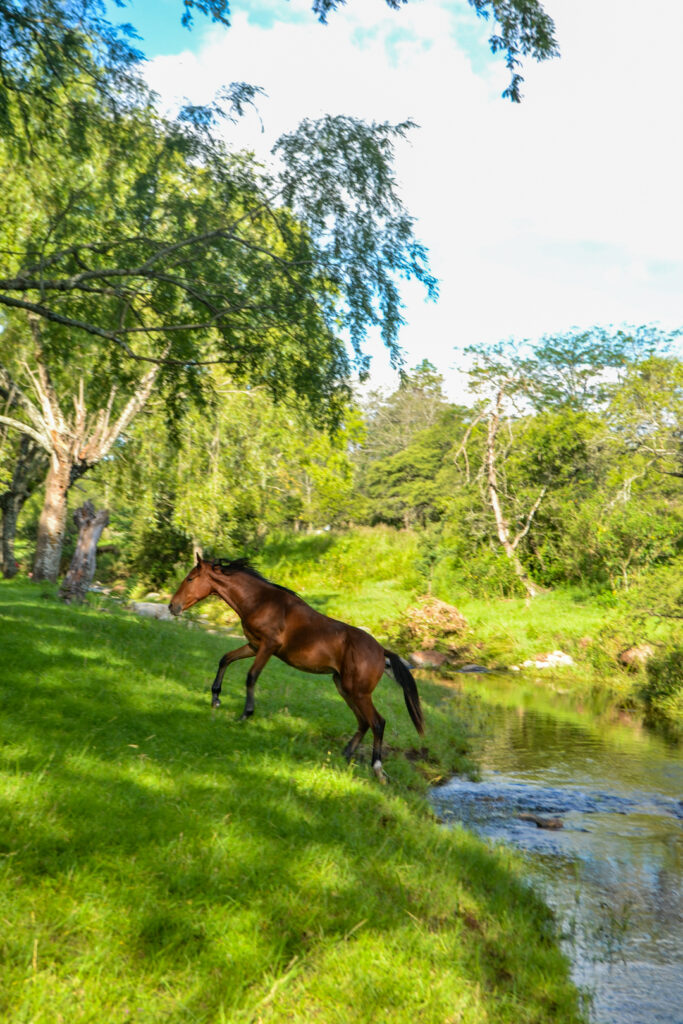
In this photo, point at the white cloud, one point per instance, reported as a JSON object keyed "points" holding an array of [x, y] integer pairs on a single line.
{"points": [[565, 210]]}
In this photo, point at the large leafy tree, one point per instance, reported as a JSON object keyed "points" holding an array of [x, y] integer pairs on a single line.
{"points": [[394, 418], [145, 242], [204, 248]]}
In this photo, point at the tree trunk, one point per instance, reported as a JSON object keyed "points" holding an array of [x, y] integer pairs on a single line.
{"points": [[29, 471], [81, 572], [52, 522], [10, 505], [502, 527]]}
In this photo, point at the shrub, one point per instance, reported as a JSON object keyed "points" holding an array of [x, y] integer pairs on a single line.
{"points": [[663, 690]]}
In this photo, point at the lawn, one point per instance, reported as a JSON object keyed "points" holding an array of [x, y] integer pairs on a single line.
{"points": [[160, 861]]}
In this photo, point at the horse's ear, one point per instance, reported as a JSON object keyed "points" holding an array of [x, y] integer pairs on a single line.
{"points": [[199, 561]]}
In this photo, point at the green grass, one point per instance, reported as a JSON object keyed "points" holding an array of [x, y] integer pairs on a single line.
{"points": [[163, 862], [368, 576], [509, 632]]}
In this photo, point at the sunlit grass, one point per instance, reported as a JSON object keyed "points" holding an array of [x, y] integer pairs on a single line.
{"points": [[160, 861]]}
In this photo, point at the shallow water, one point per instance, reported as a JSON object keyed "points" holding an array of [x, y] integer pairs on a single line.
{"points": [[614, 871]]}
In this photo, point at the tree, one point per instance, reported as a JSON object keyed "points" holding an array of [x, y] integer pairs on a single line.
{"points": [[29, 466], [645, 411], [394, 419], [564, 373], [574, 429], [81, 572], [202, 246], [229, 472], [164, 249], [74, 443], [407, 488]]}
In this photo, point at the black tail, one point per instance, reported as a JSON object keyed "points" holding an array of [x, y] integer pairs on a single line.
{"points": [[403, 676]]}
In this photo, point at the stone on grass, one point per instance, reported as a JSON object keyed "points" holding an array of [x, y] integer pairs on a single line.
{"points": [[636, 656], [553, 659], [150, 610]]}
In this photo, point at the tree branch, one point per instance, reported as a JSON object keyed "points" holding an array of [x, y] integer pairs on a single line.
{"points": [[529, 519], [42, 439]]}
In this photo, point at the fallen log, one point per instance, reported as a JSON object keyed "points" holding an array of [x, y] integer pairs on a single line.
{"points": [[81, 572]]}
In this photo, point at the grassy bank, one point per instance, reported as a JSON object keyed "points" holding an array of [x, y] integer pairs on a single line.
{"points": [[369, 576], [163, 862]]}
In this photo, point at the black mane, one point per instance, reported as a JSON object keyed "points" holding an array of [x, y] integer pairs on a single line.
{"points": [[230, 566]]}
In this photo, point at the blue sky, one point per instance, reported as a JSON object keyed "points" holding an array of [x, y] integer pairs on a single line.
{"points": [[563, 211]]}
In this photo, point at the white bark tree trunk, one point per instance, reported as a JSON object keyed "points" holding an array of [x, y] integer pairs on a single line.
{"points": [[75, 446], [502, 526]]}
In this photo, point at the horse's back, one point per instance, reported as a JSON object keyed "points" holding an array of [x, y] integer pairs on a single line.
{"points": [[318, 643]]}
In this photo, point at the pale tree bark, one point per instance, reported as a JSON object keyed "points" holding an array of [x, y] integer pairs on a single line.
{"points": [[81, 572], [462, 450], [508, 543], [77, 445], [52, 522], [74, 444]]}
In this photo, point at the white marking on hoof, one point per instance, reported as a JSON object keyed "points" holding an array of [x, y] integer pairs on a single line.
{"points": [[379, 771]]}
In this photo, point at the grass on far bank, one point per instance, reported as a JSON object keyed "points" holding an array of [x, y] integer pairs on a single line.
{"points": [[163, 862], [368, 576]]}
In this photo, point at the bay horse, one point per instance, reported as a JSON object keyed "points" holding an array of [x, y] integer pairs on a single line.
{"points": [[278, 623]]}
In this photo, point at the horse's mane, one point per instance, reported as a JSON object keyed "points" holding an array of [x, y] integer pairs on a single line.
{"points": [[230, 566]]}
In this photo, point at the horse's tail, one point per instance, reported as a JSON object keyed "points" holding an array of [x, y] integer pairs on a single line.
{"points": [[403, 676]]}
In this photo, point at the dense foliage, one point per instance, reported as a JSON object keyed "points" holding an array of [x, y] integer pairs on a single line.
{"points": [[589, 488]]}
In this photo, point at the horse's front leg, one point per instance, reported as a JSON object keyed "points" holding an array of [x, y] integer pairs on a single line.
{"points": [[262, 656], [247, 651]]}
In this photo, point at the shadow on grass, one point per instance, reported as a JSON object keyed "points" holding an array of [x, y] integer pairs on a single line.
{"points": [[232, 847]]}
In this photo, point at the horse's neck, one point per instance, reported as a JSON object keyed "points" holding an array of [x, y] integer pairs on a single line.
{"points": [[240, 591]]}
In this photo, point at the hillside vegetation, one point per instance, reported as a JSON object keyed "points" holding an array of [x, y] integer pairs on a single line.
{"points": [[160, 861]]}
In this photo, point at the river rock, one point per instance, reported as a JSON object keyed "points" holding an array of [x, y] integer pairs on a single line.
{"points": [[150, 610], [428, 659], [635, 656]]}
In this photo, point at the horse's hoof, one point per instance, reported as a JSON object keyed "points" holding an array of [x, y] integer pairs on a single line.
{"points": [[215, 703], [380, 773]]}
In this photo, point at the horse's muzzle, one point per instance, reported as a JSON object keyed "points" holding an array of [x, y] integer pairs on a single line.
{"points": [[175, 608]]}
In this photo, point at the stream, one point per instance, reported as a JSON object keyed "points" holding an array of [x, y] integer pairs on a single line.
{"points": [[613, 872]]}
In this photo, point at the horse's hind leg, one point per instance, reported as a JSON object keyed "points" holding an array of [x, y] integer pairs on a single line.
{"points": [[247, 651], [363, 726], [367, 716], [377, 723]]}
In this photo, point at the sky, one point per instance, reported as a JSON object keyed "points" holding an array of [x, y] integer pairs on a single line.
{"points": [[562, 212]]}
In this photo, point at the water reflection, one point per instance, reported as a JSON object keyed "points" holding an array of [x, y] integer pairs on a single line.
{"points": [[613, 872]]}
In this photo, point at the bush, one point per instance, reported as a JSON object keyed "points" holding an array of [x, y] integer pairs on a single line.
{"points": [[663, 691]]}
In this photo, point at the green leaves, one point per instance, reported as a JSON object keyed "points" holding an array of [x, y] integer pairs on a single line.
{"points": [[338, 180]]}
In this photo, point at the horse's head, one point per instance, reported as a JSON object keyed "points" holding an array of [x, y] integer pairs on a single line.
{"points": [[195, 587]]}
